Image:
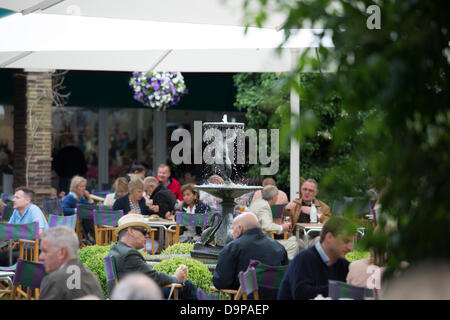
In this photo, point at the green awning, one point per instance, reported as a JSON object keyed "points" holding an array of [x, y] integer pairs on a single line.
{"points": [[93, 89]]}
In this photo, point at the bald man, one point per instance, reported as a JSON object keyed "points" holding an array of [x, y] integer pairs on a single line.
{"points": [[137, 286], [249, 242]]}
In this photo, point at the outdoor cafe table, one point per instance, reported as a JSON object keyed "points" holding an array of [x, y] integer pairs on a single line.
{"points": [[307, 228], [163, 225]]}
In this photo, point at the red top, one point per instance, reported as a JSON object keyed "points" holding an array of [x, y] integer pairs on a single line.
{"points": [[174, 186]]}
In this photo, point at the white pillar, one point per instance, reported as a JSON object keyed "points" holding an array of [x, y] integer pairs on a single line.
{"points": [[295, 145], [103, 147]]}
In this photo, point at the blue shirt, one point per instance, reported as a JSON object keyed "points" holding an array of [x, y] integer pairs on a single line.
{"points": [[32, 213], [322, 253]]}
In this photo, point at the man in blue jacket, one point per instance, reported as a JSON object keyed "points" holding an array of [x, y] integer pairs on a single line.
{"points": [[308, 274], [249, 243]]}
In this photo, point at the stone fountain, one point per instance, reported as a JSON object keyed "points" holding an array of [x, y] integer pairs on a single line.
{"points": [[221, 232]]}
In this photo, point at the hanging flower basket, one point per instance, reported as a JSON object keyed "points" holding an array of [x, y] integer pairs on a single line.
{"points": [[158, 90]]}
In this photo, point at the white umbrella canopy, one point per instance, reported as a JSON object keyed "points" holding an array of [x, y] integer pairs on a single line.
{"points": [[219, 12], [85, 43]]}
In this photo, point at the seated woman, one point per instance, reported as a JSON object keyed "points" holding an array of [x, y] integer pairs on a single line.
{"points": [[79, 194], [120, 187], [134, 201], [191, 204]]}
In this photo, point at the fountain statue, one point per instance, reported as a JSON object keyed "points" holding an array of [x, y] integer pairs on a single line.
{"points": [[221, 232]]}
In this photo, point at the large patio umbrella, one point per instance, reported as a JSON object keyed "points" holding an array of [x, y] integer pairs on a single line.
{"points": [[218, 12], [38, 41]]}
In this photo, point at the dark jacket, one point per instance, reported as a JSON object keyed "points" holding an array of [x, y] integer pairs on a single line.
{"points": [[163, 198], [62, 284], [69, 204], [307, 276], [236, 256], [123, 203], [129, 260]]}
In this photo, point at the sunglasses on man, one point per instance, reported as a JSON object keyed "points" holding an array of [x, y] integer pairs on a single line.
{"points": [[141, 230]]}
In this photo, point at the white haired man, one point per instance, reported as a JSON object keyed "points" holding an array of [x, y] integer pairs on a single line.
{"points": [[66, 278], [261, 208]]}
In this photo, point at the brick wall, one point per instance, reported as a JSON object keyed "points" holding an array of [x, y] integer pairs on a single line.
{"points": [[33, 132]]}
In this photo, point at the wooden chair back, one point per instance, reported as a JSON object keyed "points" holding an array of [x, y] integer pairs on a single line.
{"points": [[278, 214], [56, 221], [187, 219], [338, 290], [7, 211], [105, 223], [249, 285], [26, 236], [52, 206], [112, 280], [28, 274]]}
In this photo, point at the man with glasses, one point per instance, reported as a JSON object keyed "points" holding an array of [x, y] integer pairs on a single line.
{"points": [[132, 235], [300, 209]]}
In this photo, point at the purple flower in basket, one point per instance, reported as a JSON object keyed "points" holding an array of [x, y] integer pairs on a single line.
{"points": [[158, 89]]}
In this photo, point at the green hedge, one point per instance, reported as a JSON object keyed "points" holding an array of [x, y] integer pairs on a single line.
{"points": [[198, 273], [179, 248]]}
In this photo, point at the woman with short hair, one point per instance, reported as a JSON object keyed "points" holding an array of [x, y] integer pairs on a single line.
{"points": [[79, 194], [134, 201], [120, 187]]}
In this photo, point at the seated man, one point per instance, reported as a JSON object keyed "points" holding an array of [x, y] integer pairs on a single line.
{"points": [[132, 233], [24, 212], [172, 184], [67, 278], [282, 196], [300, 209], [308, 274], [261, 208], [163, 200], [248, 243]]}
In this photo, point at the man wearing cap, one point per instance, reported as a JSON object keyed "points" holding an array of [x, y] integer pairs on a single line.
{"points": [[132, 235]]}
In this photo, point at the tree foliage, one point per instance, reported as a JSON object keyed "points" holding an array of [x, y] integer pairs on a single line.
{"points": [[402, 71], [265, 97]]}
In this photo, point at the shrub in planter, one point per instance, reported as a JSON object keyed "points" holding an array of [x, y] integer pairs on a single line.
{"points": [[87, 252], [179, 248], [198, 273], [92, 258]]}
